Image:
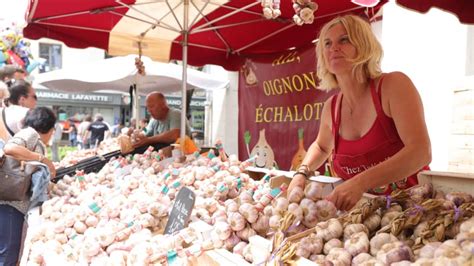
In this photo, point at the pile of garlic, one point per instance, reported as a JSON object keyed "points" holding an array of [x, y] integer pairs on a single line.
{"points": [[98, 215], [73, 157]]}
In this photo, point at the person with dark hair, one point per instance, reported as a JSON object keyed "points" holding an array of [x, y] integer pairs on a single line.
{"points": [[22, 98], [26, 145], [97, 130], [10, 73]]}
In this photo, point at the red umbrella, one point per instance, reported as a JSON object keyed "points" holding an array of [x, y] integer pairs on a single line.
{"points": [[463, 9], [222, 32]]}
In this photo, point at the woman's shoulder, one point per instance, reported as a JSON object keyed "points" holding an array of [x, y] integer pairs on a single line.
{"points": [[394, 83]]}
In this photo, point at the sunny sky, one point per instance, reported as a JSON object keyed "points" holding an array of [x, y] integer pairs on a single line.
{"points": [[14, 11]]}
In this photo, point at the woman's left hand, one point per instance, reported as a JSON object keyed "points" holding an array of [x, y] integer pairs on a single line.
{"points": [[346, 195]]}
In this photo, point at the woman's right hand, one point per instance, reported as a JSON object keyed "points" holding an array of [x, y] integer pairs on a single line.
{"points": [[52, 169], [298, 180]]}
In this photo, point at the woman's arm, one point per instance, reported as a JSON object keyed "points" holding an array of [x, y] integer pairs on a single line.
{"points": [[402, 102], [21, 153], [320, 149]]}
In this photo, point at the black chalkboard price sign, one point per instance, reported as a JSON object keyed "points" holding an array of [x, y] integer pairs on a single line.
{"points": [[181, 211]]}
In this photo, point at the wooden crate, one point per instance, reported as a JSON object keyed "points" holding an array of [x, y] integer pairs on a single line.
{"points": [[448, 181]]}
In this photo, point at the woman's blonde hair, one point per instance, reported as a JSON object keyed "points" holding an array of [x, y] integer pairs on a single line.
{"points": [[368, 51]]}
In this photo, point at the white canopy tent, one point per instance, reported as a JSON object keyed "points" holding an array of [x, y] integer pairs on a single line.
{"points": [[119, 73]]}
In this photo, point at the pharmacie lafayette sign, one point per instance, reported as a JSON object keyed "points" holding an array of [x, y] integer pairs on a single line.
{"points": [[74, 97], [280, 108]]}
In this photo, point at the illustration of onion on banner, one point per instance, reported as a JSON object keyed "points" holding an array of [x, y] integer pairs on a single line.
{"points": [[15, 50]]}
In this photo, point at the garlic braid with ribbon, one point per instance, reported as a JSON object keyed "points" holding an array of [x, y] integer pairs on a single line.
{"points": [[271, 9]]}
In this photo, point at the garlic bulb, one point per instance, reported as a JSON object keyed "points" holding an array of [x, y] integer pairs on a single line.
{"points": [[296, 195], [249, 212], [325, 210], [357, 243], [379, 240], [339, 256], [318, 259], [351, 229], [394, 208], [451, 250], [333, 243], [275, 222], [268, 211], [361, 258], [373, 222], [316, 244], [467, 226], [280, 205], [401, 263], [261, 226], [246, 233], [329, 229], [306, 205], [423, 262], [236, 221], [427, 251], [394, 252], [231, 242], [303, 249], [296, 210], [223, 230], [313, 190]]}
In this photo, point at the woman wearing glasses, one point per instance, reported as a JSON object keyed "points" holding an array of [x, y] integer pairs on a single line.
{"points": [[22, 98]]}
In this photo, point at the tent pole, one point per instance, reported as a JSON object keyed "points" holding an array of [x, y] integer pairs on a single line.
{"points": [[185, 76]]}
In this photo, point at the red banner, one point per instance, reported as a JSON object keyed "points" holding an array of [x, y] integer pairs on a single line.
{"points": [[279, 108]]}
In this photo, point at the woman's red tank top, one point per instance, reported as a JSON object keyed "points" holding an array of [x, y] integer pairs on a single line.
{"points": [[382, 141]]}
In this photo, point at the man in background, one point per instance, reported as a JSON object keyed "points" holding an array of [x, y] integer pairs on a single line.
{"points": [[97, 130], [165, 122]]}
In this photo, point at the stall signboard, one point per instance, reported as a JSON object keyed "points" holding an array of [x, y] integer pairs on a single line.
{"points": [[280, 108], [181, 211]]}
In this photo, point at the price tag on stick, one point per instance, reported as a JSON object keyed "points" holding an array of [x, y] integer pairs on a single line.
{"points": [[181, 211]]}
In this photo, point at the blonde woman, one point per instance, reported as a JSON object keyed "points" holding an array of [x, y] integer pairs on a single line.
{"points": [[374, 129]]}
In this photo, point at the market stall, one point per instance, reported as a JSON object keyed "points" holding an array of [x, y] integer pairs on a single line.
{"points": [[118, 215]]}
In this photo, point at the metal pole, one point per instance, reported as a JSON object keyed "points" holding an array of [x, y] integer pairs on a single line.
{"points": [[185, 73]]}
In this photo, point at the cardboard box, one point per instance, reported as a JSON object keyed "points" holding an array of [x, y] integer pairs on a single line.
{"points": [[448, 181], [256, 173], [217, 257]]}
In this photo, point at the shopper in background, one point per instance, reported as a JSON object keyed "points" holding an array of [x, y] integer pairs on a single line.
{"points": [[55, 141], [72, 134], [26, 145], [97, 130], [374, 129], [22, 98], [10, 73], [4, 94], [82, 139]]}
